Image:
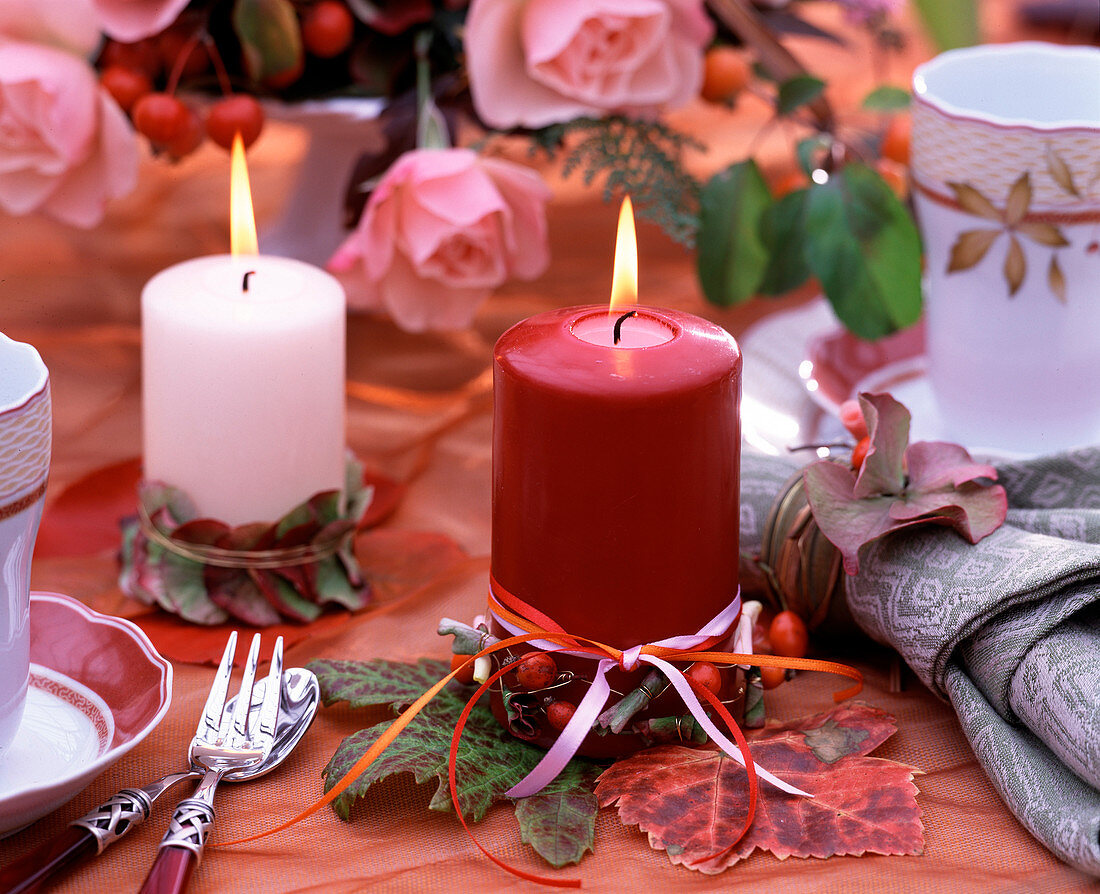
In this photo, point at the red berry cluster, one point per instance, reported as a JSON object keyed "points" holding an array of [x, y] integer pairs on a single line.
{"points": [[143, 76]]}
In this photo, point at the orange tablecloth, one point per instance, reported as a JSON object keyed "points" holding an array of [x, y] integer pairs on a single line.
{"points": [[75, 296]]}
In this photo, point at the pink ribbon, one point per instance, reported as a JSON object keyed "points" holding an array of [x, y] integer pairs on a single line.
{"points": [[569, 740]]}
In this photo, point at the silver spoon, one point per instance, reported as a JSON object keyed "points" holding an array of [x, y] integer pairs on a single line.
{"points": [[94, 832]]}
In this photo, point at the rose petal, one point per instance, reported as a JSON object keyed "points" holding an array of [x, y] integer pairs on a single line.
{"points": [[418, 304], [503, 92], [133, 20]]}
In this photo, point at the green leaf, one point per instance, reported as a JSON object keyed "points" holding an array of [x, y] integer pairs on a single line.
{"points": [[559, 822], [731, 257], [812, 151], [864, 248], [950, 23], [830, 742], [378, 682], [797, 92], [270, 36], [783, 230], [886, 99]]}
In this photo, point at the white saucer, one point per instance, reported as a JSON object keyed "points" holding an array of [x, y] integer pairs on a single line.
{"points": [[97, 688]]}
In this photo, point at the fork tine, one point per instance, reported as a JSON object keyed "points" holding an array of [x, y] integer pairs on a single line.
{"points": [[211, 718], [269, 710], [244, 695]]}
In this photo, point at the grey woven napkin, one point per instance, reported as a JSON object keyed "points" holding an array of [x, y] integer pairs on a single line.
{"points": [[1007, 630]]}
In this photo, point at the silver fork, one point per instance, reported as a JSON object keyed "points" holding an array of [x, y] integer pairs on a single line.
{"points": [[222, 743]]}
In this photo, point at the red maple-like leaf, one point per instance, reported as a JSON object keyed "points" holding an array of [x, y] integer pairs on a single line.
{"points": [[692, 801]]}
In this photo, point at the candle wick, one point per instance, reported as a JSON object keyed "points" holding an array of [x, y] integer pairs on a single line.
{"points": [[244, 282], [619, 325]]}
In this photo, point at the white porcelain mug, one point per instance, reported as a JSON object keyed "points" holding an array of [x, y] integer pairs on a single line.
{"points": [[25, 438], [1005, 166]]}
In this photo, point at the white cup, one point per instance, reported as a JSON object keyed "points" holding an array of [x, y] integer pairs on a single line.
{"points": [[25, 438], [1005, 165]]}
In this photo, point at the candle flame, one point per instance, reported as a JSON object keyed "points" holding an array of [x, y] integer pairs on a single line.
{"points": [[624, 281], [242, 219]]}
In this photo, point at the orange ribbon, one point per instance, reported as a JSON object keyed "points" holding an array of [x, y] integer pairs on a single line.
{"points": [[539, 626]]}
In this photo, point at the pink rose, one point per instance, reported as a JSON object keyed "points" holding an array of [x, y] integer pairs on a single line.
{"points": [[133, 20], [68, 24], [443, 228], [65, 146], [537, 62]]}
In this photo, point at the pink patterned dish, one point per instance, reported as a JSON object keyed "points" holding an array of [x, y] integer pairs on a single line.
{"points": [[838, 365], [98, 688]]}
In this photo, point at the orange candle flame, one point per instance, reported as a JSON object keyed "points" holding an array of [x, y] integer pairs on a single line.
{"points": [[624, 281], [242, 219]]}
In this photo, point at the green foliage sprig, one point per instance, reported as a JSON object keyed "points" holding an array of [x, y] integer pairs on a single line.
{"points": [[635, 157]]}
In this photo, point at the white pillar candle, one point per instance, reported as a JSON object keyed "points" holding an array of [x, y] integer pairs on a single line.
{"points": [[243, 388]]}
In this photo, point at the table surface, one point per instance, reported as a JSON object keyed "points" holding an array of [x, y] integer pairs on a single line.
{"points": [[412, 415]]}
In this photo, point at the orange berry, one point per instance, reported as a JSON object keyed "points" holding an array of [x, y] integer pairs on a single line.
{"points": [[558, 714], [327, 29], [126, 85], [725, 74], [788, 635], [706, 675], [232, 114], [536, 671], [159, 117], [466, 675], [789, 181], [895, 139], [189, 138], [859, 453], [770, 677]]}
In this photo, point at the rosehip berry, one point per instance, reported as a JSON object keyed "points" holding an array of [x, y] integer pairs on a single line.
{"points": [[706, 675], [466, 675], [141, 56], [235, 114], [126, 85], [160, 117], [895, 140], [788, 635], [558, 714], [770, 677], [189, 139], [537, 671], [725, 74], [327, 29], [859, 453], [851, 417]]}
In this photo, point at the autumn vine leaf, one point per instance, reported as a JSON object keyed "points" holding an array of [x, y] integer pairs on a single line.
{"points": [[558, 822], [691, 801], [901, 484]]}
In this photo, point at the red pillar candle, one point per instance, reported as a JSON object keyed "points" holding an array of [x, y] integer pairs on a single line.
{"points": [[616, 471]]}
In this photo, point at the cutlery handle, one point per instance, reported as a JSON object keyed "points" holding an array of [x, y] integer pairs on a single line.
{"points": [[181, 848], [86, 837], [171, 872], [26, 874]]}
